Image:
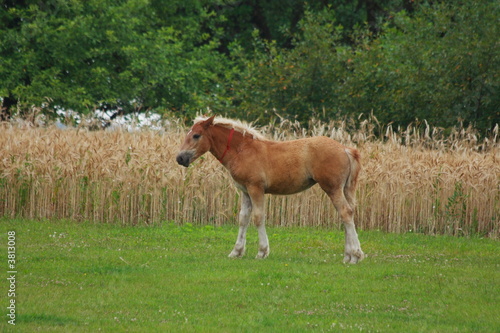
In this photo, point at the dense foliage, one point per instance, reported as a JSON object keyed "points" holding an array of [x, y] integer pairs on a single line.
{"points": [[398, 59]]}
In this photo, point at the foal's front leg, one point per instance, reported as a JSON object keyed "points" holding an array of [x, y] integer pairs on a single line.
{"points": [[258, 214], [245, 212]]}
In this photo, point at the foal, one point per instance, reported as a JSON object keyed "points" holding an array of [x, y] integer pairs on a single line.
{"points": [[260, 166]]}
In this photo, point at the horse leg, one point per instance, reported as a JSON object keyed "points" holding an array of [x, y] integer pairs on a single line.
{"points": [[244, 219], [258, 215], [352, 252]]}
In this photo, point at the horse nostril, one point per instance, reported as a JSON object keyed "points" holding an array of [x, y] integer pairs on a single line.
{"points": [[180, 159], [183, 159]]}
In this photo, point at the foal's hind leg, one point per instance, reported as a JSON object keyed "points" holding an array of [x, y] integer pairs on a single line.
{"points": [[245, 211], [352, 252]]}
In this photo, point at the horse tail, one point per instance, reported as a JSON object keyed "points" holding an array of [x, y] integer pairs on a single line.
{"points": [[352, 178]]}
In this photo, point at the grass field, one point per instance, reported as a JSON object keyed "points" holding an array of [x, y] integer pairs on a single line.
{"points": [[83, 277]]}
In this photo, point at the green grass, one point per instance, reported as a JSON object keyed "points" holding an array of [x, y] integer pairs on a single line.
{"points": [[87, 277]]}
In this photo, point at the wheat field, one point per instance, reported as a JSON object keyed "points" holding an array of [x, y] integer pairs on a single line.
{"points": [[419, 180]]}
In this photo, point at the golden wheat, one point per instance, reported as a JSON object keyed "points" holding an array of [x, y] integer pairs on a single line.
{"points": [[418, 180]]}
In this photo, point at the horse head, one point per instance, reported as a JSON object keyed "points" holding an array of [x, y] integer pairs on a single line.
{"points": [[196, 143]]}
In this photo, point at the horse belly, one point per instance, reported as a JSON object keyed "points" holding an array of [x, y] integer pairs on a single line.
{"points": [[289, 183], [285, 190], [288, 170]]}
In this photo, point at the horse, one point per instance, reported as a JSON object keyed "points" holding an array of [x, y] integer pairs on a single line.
{"points": [[260, 166]]}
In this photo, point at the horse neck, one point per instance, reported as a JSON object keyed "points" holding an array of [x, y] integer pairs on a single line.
{"points": [[220, 139]]}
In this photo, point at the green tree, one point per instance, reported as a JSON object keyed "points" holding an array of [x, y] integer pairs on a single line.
{"points": [[128, 55], [297, 83], [255, 59], [440, 64]]}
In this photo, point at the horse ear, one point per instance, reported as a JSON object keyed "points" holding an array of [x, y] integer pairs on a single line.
{"points": [[207, 123]]}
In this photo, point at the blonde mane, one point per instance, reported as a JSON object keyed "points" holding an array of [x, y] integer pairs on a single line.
{"points": [[239, 126]]}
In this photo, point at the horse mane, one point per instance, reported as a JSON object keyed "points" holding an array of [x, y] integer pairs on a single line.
{"points": [[238, 125]]}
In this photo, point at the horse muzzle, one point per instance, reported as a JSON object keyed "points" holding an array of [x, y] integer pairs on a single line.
{"points": [[184, 158]]}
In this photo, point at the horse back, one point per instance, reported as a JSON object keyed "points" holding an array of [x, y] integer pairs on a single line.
{"points": [[291, 166]]}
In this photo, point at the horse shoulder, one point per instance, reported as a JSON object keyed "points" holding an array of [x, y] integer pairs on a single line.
{"points": [[249, 164]]}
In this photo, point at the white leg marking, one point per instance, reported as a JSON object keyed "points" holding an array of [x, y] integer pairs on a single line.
{"points": [[353, 252], [244, 218], [263, 242], [259, 218]]}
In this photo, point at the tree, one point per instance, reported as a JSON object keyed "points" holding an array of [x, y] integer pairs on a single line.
{"points": [[398, 59], [294, 83], [440, 64], [83, 55]]}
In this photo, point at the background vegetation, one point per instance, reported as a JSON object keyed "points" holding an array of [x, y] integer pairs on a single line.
{"points": [[419, 181], [257, 60]]}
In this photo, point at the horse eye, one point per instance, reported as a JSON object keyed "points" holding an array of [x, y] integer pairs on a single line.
{"points": [[196, 136]]}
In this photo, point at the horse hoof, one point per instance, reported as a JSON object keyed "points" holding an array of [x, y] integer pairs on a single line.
{"points": [[354, 258], [262, 254], [236, 253]]}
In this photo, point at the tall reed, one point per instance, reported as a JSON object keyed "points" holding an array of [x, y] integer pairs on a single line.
{"points": [[414, 180]]}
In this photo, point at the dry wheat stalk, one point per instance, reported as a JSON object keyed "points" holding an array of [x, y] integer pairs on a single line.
{"points": [[419, 180]]}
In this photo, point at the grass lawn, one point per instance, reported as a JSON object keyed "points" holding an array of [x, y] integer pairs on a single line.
{"points": [[80, 277]]}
